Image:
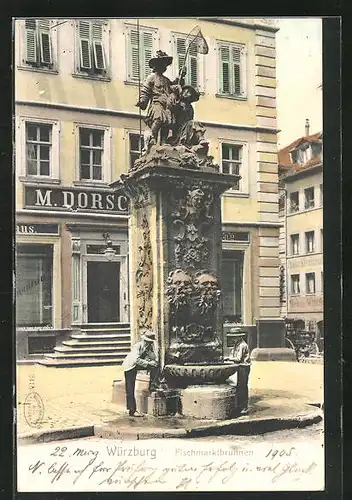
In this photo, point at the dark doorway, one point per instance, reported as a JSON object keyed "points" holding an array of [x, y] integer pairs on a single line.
{"points": [[103, 282]]}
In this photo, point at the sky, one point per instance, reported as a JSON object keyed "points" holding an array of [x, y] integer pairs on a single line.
{"points": [[299, 74]]}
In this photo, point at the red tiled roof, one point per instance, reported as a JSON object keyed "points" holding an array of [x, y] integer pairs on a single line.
{"points": [[285, 161]]}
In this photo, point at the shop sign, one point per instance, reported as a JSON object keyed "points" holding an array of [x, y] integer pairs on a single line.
{"points": [[302, 262], [313, 303], [76, 200], [237, 236], [37, 228]]}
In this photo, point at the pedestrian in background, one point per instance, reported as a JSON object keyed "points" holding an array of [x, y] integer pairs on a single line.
{"points": [[141, 357]]}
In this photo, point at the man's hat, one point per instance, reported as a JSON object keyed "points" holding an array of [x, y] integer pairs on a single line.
{"points": [[195, 94], [149, 336], [237, 332], [160, 57]]}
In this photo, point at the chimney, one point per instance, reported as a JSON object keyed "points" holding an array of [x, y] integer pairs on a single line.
{"points": [[307, 127]]}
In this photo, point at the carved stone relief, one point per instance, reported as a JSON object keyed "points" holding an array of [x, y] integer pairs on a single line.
{"points": [[191, 217], [144, 278]]}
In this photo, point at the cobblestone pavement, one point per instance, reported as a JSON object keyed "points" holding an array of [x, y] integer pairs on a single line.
{"points": [[82, 396]]}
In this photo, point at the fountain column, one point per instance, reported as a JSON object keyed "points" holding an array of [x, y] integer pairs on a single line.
{"points": [[175, 259]]}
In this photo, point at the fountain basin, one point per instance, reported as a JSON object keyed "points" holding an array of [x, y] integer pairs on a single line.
{"points": [[185, 375]]}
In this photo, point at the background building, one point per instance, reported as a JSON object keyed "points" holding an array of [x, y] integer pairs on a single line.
{"points": [[77, 129], [301, 234]]}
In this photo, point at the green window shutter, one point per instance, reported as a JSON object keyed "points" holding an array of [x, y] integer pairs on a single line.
{"points": [[84, 45], [31, 41], [98, 48], [193, 66], [147, 53], [225, 83], [133, 66], [236, 64], [45, 41], [181, 52]]}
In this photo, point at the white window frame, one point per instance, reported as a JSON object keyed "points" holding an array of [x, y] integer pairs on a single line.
{"points": [[243, 69], [307, 241], [321, 194], [290, 211], [107, 156], [128, 27], [128, 132], [20, 37], [21, 150], [244, 169], [293, 292], [296, 236], [92, 73], [201, 63], [314, 281], [321, 234], [305, 198]]}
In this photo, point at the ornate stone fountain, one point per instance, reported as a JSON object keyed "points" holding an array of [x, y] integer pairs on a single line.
{"points": [[175, 250]]}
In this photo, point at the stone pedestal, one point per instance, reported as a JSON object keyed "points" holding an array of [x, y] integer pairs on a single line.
{"points": [[175, 256], [209, 402], [175, 259], [271, 345]]}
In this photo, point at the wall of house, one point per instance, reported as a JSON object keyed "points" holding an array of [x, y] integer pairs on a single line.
{"points": [[69, 99], [304, 305]]}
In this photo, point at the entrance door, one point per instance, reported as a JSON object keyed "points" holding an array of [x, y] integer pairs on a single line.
{"points": [[103, 292]]}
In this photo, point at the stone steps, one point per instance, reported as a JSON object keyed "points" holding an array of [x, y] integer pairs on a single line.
{"points": [[66, 363], [91, 347]]}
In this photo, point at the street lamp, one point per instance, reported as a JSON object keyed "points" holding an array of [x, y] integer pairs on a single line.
{"points": [[109, 252]]}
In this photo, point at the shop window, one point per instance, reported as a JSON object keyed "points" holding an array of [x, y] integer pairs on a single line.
{"points": [[294, 244], [92, 48], [310, 241], [39, 149], [91, 151], [38, 43], [294, 202], [231, 161], [232, 60], [232, 286], [310, 283], [136, 145], [295, 286], [309, 198], [34, 278]]}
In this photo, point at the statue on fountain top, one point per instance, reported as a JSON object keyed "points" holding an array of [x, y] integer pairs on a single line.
{"points": [[172, 133], [162, 96]]}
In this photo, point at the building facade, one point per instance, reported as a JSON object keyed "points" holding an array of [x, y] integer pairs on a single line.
{"points": [[77, 129], [301, 233]]}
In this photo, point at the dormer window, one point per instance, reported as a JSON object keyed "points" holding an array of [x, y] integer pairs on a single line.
{"points": [[302, 154]]}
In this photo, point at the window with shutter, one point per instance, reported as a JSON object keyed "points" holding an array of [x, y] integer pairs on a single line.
{"points": [[140, 51], [147, 52], [84, 35], [231, 70], [92, 58], [31, 42], [38, 45], [192, 61], [98, 49]]}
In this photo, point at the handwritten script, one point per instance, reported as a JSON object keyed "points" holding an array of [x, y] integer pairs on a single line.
{"points": [[168, 466]]}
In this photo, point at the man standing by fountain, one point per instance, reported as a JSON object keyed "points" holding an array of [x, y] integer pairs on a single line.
{"points": [[240, 355], [141, 357]]}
